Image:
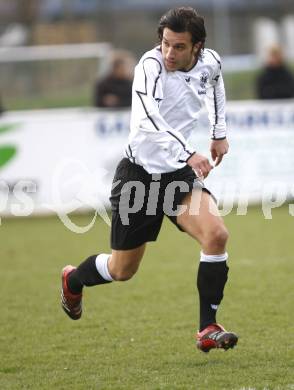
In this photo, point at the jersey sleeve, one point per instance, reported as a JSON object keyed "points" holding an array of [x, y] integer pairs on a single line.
{"points": [[216, 100], [147, 94]]}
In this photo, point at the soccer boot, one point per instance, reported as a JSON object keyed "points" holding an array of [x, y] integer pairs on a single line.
{"points": [[71, 303], [215, 336]]}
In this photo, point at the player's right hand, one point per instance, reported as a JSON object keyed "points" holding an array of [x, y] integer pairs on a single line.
{"points": [[200, 164]]}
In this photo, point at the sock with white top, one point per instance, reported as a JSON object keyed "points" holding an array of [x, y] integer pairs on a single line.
{"points": [[211, 279], [91, 272]]}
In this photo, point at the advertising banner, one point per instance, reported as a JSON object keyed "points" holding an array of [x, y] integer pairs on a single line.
{"points": [[62, 161]]}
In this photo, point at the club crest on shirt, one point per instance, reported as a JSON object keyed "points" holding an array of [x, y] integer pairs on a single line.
{"points": [[203, 79]]}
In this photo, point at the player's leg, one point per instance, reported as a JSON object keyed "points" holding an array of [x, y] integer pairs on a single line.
{"points": [[120, 265], [130, 230], [95, 270], [201, 220], [123, 264]]}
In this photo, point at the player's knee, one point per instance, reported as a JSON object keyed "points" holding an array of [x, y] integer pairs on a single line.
{"points": [[122, 275], [222, 235], [217, 237]]}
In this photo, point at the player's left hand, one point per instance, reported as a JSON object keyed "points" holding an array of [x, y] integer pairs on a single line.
{"points": [[218, 148]]}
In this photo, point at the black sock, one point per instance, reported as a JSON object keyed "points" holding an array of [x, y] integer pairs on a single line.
{"points": [[86, 274], [211, 280], [207, 315]]}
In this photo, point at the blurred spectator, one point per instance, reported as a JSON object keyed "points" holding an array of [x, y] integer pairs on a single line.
{"points": [[275, 80], [115, 89]]}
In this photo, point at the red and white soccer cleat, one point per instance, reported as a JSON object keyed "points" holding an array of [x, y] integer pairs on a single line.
{"points": [[71, 303], [215, 336]]}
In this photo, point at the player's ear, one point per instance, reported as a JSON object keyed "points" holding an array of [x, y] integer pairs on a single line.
{"points": [[197, 47]]}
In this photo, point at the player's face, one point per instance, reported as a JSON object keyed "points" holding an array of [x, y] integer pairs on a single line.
{"points": [[178, 51]]}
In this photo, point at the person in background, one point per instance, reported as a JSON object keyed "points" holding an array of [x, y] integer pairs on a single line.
{"points": [[275, 80], [115, 89]]}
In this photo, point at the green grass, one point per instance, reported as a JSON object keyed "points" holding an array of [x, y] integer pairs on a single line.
{"points": [[139, 334], [81, 97], [240, 85]]}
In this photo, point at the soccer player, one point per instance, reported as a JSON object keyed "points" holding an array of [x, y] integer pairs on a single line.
{"points": [[162, 174]]}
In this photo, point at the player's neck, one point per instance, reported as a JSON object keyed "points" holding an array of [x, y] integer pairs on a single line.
{"points": [[190, 66]]}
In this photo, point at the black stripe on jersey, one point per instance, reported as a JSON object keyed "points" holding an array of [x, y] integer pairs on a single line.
{"points": [[154, 88], [215, 106], [218, 61], [131, 157], [140, 93], [145, 109], [219, 139], [185, 161], [157, 78], [215, 112], [183, 145]]}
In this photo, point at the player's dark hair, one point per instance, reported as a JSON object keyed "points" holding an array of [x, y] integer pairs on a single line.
{"points": [[183, 19]]}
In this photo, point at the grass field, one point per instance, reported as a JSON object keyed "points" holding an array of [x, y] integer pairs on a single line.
{"points": [[239, 86], [139, 334]]}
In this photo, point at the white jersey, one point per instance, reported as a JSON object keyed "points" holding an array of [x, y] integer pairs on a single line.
{"points": [[165, 108]]}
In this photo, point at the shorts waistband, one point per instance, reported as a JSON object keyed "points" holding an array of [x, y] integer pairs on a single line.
{"points": [[164, 175]]}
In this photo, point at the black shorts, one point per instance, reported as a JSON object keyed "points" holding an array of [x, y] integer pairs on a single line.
{"points": [[140, 200]]}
